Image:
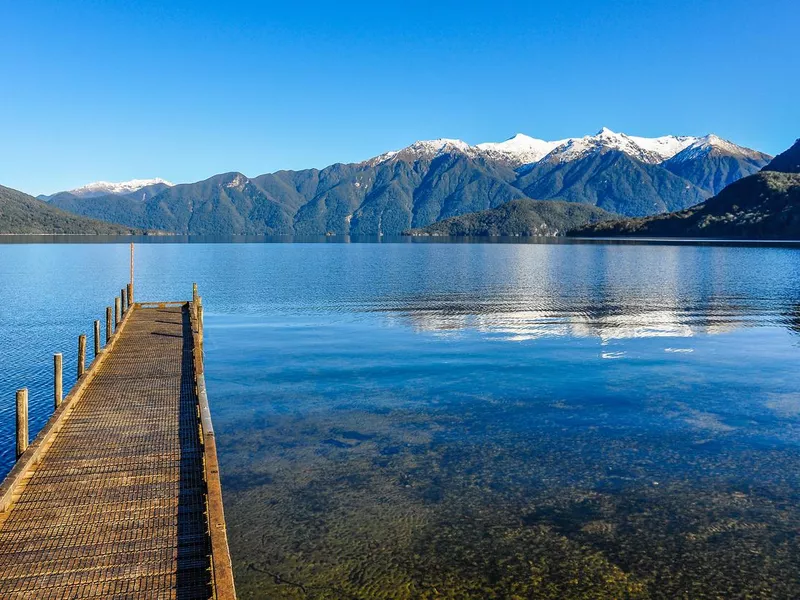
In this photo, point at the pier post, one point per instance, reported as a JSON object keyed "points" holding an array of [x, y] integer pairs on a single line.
{"points": [[108, 324], [117, 311], [96, 338], [130, 285], [22, 421], [194, 299], [200, 322], [58, 379], [81, 354], [123, 294]]}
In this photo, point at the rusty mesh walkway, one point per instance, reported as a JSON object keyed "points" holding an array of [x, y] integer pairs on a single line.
{"points": [[116, 508]]}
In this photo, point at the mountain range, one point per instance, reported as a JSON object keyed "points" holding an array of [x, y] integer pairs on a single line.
{"points": [[24, 214], [135, 189], [765, 205], [429, 181]]}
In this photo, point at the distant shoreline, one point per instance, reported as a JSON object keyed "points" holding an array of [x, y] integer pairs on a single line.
{"points": [[22, 238]]}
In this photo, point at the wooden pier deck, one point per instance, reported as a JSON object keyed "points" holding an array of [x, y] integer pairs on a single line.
{"points": [[119, 495]]}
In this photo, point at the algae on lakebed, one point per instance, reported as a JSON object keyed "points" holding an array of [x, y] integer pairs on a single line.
{"points": [[483, 504]]}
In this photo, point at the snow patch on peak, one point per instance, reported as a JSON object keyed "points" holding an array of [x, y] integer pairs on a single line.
{"points": [[440, 146], [648, 150], [665, 147], [520, 149], [703, 146], [99, 188], [427, 149]]}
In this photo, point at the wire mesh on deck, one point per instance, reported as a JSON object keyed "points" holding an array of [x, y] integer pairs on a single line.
{"points": [[117, 506]]}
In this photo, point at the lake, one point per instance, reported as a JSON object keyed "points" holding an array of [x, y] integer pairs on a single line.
{"points": [[496, 420]]}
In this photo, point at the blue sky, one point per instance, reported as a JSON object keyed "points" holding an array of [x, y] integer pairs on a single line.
{"points": [[183, 90]]}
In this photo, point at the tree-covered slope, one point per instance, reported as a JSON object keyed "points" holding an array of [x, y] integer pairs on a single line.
{"points": [[518, 218], [786, 162], [384, 198], [114, 209], [223, 204], [24, 214], [762, 206], [716, 170], [613, 181]]}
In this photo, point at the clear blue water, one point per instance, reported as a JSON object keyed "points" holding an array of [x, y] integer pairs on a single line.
{"points": [[398, 418]]}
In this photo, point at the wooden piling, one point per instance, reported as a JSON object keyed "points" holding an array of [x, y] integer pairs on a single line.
{"points": [[81, 354], [58, 379], [96, 338], [123, 294], [130, 285], [117, 311], [22, 421], [200, 322], [108, 324]]}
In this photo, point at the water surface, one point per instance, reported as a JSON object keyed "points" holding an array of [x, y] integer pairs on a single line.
{"points": [[429, 420]]}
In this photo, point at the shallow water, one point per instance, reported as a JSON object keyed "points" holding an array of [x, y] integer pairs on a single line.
{"points": [[428, 420]]}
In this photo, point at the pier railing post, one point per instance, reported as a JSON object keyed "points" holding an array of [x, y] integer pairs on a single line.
{"points": [[130, 285], [22, 421], [117, 311], [81, 354], [96, 338], [123, 294], [109, 331], [58, 379], [200, 322]]}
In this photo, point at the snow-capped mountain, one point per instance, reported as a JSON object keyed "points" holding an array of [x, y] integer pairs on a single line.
{"points": [[426, 149], [522, 149], [647, 150], [429, 181], [709, 144], [103, 188]]}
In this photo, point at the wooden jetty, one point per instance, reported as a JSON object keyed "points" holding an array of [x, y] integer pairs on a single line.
{"points": [[119, 494]]}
